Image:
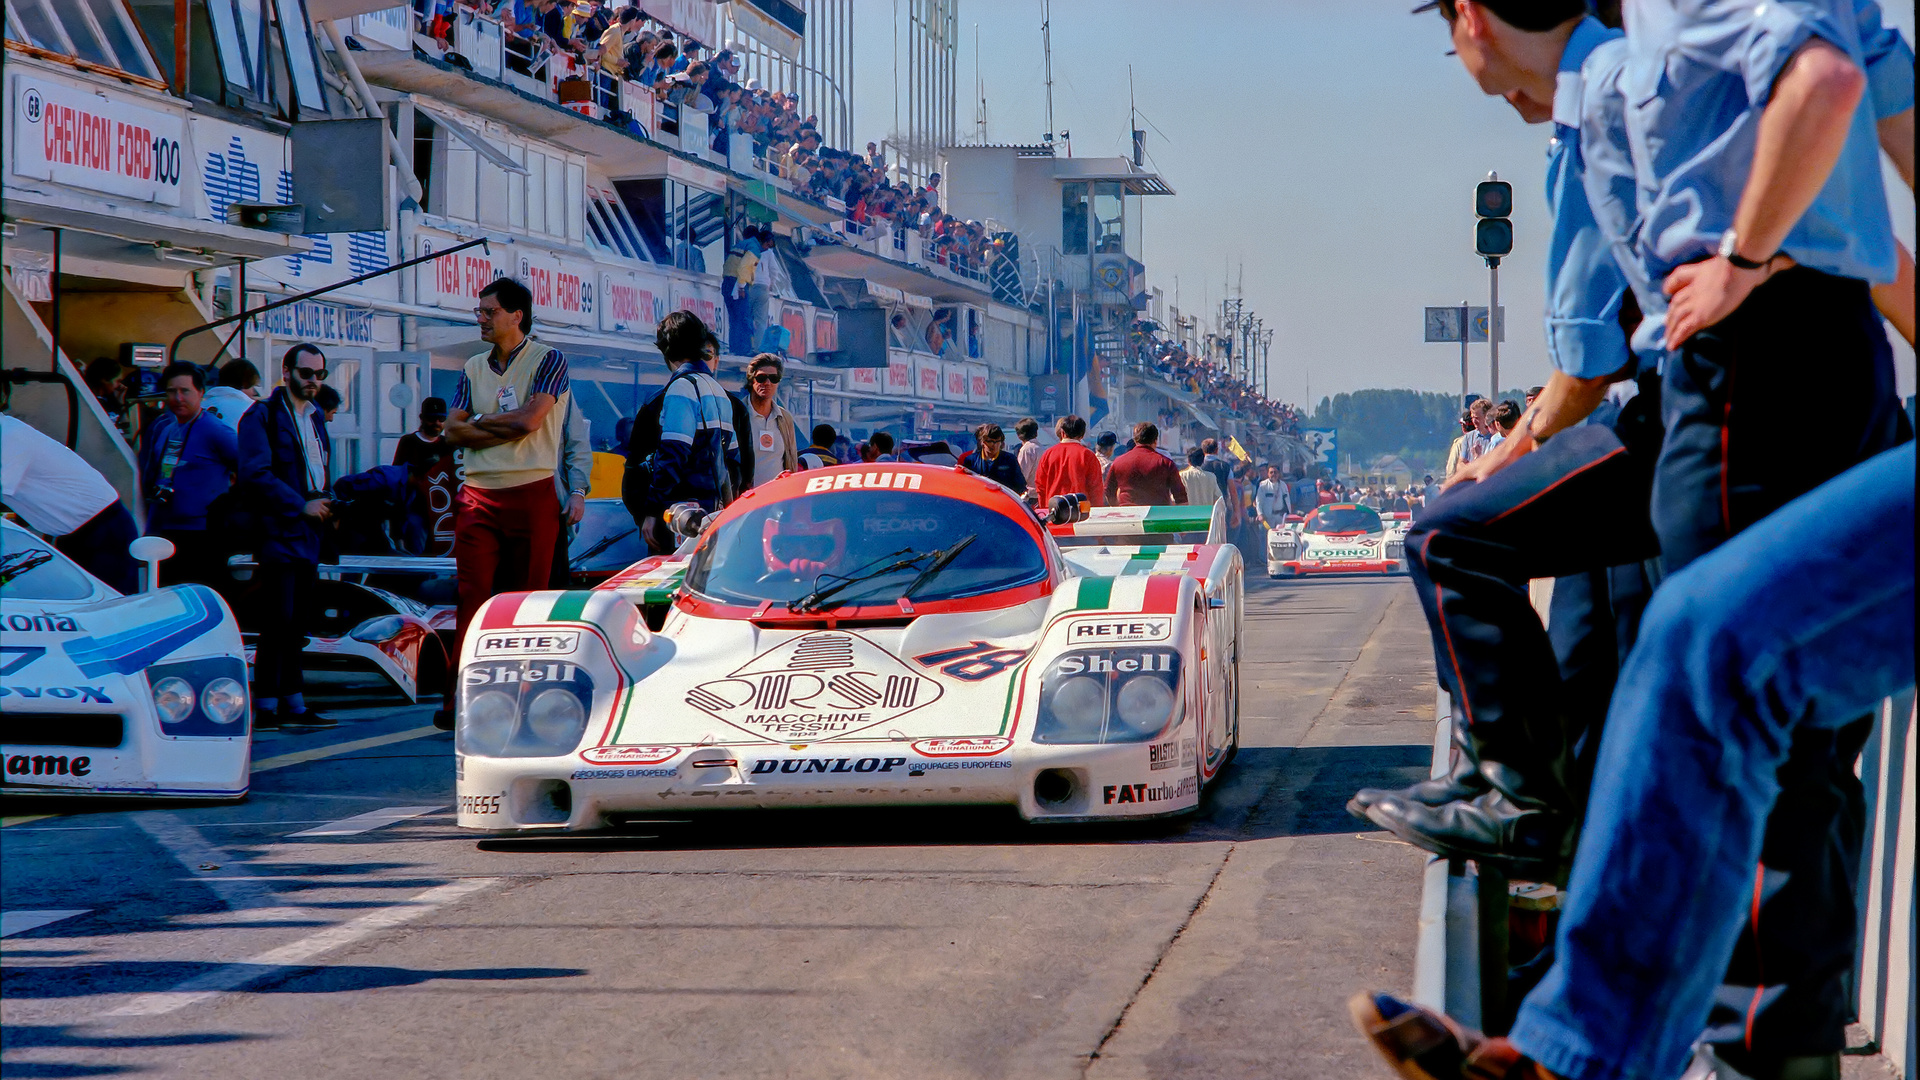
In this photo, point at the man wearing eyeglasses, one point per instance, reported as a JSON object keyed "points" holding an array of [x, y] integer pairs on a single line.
{"points": [[507, 414], [770, 426], [284, 461]]}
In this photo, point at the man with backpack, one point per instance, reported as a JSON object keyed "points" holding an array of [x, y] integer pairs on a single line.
{"points": [[684, 447]]}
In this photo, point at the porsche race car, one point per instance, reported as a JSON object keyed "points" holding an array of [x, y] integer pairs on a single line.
{"points": [[1339, 538], [873, 635], [104, 694]]}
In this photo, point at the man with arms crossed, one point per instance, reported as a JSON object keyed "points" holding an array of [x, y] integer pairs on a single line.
{"points": [[506, 414]]}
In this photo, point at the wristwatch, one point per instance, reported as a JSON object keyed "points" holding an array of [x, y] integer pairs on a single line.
{"points": [[1730, 251]]}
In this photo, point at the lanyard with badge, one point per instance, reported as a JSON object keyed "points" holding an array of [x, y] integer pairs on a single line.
{"points": [[508, 397], [170, 456]]}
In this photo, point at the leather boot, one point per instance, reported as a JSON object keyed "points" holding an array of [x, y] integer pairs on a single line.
{"points": [[1529, 840], [1461, 781]]}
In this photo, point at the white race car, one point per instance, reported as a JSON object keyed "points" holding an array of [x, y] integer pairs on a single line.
{"points": [[1339, 538], [103, 694], [872, 635]]}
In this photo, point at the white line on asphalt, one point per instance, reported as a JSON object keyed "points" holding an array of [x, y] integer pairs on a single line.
{"points": [[238, 889], [301, 757], [298, 953], [19, 922], [369, 821]]}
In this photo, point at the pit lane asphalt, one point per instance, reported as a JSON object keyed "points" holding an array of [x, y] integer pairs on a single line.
{"points": [[214, 942]]}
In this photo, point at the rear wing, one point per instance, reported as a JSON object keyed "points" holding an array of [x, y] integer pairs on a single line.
{"points": [[1147, 524]]}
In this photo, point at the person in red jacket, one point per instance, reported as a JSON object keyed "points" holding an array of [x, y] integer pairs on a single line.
{"points": [[1068, 467], [1143, 476]]}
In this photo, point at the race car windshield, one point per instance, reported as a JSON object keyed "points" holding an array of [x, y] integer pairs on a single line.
{"points": [[788, 551], [30, 570], [1343, 519]]}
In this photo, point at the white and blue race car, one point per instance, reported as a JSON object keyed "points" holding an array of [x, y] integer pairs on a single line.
{"points": [[104, 694]]}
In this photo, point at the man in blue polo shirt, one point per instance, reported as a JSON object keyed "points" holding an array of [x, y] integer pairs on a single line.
{"points": [[188, 458]]}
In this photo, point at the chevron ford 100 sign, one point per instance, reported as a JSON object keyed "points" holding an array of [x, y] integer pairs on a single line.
{"points": [[96, 140]]}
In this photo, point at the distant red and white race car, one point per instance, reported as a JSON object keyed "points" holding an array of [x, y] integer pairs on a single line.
{"points": [[1339, 538], [865, 635]]}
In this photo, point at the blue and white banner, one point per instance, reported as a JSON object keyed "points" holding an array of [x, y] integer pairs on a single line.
{"points": [[1323, 443]]}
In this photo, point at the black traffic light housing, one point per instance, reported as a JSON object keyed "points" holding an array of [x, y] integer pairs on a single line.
{"points": [[1493, 207]]}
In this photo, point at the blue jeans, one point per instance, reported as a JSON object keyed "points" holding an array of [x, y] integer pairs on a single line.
{"points": [[1773, 634]]}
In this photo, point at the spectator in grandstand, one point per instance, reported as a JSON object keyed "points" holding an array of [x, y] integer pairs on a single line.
{"points": [[57, 493], [684, 447], [187, 461], [820, 453], [1143, 476], [770, 433], [238, 391], [1027, 430], [990, 459], [613, 41], [1202, 488], [1068, 467]]}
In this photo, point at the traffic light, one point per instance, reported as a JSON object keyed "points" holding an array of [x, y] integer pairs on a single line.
{"points": [[1493, 207]]}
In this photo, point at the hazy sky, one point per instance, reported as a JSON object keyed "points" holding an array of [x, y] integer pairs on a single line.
{"points": [[1329, 146]]}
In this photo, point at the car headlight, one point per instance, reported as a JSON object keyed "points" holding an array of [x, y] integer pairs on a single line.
{"points": [[173, 699], [1143, 705], [487, 723], [1078, 707], [200, 698], [373, 631], [1108, 696], [224, 700], [556, 717], [522, 708]]}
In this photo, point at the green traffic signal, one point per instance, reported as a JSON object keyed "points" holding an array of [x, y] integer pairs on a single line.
{"points": [[1493, 237]]}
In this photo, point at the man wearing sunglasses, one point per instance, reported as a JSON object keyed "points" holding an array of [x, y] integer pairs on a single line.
{"points": [[770, 426], [285, 457]]}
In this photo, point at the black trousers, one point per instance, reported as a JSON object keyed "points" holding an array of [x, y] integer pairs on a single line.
{"points": [[285, 605], [1728, 444], [99, 545]]}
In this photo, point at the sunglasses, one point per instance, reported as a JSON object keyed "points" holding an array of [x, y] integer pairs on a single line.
{"points": [[767, 379], [311, 373]]}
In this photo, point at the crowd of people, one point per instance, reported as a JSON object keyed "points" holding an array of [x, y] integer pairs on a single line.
{"points": [[1220, 388], [1676, 744]]}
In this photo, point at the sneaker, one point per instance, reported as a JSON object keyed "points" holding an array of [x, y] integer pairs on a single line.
{"points": [[1421, 1044], [266, 720]]}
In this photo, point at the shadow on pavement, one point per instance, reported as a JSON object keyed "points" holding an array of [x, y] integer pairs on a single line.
{"points": [[139, 977]]}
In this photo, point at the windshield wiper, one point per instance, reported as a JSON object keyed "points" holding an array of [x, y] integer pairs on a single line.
{"points": [[941, 560], [15, 563], [813, 600], [601, 545]]}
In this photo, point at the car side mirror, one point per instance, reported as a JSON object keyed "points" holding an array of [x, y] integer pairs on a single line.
{"points": [[1067, 509], [687, 519], [150, 550]]}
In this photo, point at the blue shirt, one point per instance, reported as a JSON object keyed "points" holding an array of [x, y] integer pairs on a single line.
{"points": [[1698, 75], [208, 454], [1586, 282]]}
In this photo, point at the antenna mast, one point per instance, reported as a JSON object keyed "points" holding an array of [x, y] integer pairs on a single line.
{"points": [[1046, 46]]}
